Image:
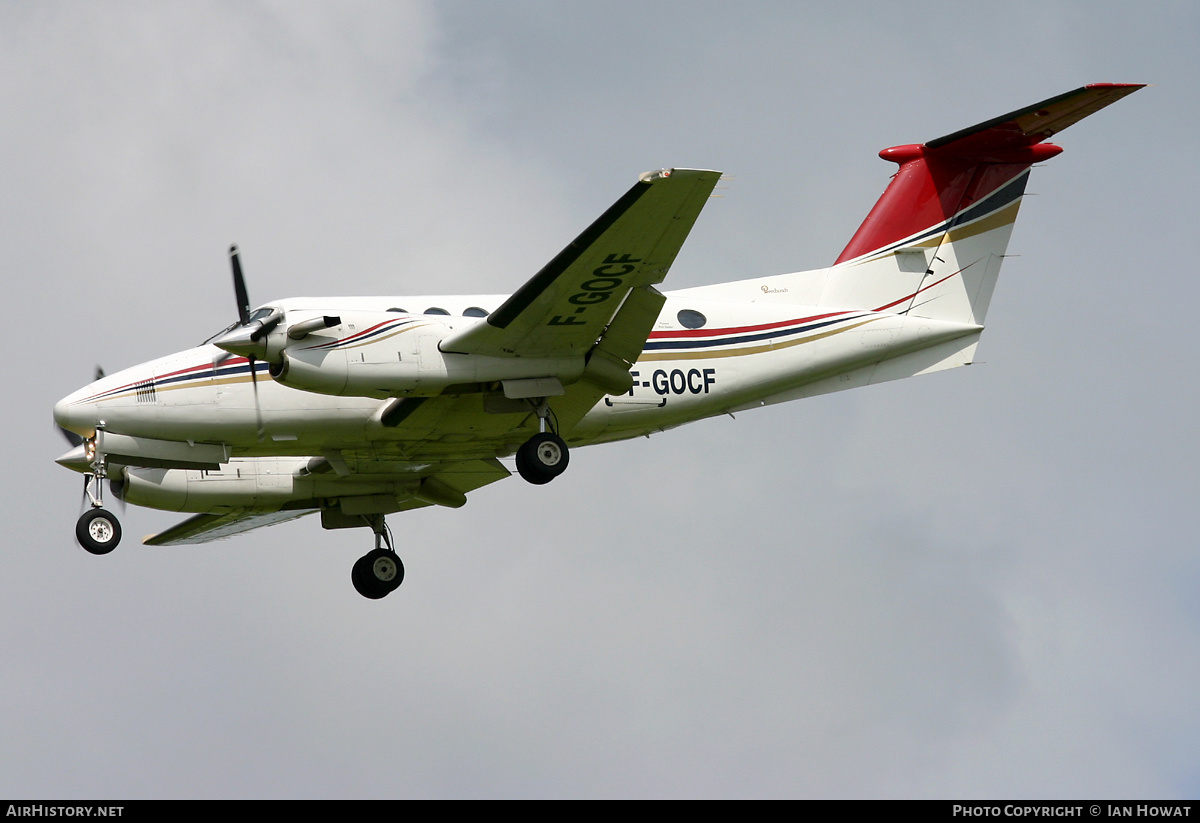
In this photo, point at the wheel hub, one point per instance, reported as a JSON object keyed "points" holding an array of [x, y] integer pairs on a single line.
{"points": [[100, 530], [384, 569], [549, 454]]}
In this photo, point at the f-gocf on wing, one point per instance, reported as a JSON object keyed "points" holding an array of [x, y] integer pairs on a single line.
{"points": [[564, 308]]}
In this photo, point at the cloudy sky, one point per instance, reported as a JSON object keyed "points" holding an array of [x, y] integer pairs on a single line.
{"points": [[980, 583]]}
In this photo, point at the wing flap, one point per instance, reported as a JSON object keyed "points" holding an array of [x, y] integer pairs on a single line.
{"points": [[609, 363]]}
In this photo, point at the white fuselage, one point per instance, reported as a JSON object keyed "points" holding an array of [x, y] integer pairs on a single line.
{"points": [[737, 354]]}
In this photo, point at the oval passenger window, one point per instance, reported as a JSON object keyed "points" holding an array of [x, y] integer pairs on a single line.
{"points": [[691, 319]]}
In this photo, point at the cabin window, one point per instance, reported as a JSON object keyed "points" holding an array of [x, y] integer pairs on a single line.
{"points": [[691, 319], [436, 310], [475, 311], [401, 311]]}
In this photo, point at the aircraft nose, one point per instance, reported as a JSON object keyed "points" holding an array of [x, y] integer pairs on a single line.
{"points": [[76, 416]]}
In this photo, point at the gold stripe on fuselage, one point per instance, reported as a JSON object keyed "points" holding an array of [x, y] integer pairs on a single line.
{"points": [[705, 355]]}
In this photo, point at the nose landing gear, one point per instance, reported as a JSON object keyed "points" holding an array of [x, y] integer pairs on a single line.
{"points": [[97, 529]]}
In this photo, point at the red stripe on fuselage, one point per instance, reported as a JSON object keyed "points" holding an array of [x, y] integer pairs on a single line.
{"points": [[674, 335]]}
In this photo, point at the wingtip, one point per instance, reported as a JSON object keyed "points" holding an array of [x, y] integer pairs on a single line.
{"points": [[650, 176], [1130, 86], [660, 174]]}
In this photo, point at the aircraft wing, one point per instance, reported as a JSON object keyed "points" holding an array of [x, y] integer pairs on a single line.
{"points": [[446, 483], [566, 306], [205, 528]]}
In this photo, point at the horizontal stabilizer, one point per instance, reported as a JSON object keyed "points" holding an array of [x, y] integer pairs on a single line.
{"points": [[1033, 124]]}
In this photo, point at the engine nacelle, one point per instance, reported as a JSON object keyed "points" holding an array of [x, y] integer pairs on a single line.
{"points": [[273, 482], [398, 356]]}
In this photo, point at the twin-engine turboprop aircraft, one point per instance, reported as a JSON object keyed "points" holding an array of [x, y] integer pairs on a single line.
{"points": [[360, 407]]}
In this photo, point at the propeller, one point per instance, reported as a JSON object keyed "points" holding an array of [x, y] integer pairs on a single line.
{"points": [[84, 501], [116, 487], [248, 337]]}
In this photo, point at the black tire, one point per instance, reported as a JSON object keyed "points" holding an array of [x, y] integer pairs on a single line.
{"points": [[542, 458], [98, 531], [377, 574]]}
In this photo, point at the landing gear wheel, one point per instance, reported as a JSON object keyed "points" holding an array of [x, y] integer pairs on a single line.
{"points": [[542, 458], [98, 531], [377, 573]]}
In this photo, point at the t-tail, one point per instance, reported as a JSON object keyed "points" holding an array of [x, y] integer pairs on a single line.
{"points": [[933, 244]]}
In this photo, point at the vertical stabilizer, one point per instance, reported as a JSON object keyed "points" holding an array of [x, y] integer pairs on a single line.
{"points": [[933, 243]]}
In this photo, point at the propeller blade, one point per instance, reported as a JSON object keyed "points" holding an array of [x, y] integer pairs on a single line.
{"points": [[239, 286], [99, 371], [243, 341], [258, 419], [72, 438], [116, 489]]}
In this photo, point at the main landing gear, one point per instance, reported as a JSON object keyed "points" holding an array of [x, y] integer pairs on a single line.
{"points": [[544, 456], [97, 529], [379, 572]]}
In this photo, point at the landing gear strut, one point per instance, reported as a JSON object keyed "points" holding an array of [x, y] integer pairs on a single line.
{"points": [[379, 572], [544, 456], [97, 529]]}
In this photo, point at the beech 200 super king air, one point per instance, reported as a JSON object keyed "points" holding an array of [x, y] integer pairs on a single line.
{"points": [[360, 407]]}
